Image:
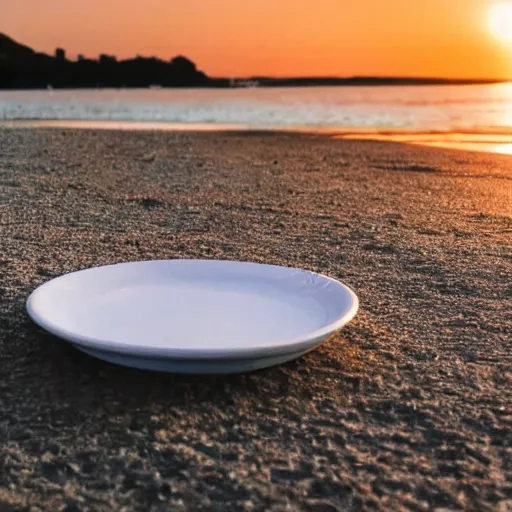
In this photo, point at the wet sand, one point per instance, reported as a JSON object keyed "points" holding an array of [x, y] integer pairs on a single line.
{"points": [[500, 143], [407, 408]]}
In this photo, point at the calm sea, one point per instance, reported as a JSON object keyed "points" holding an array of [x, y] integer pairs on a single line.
{"points": [[470, 110]]}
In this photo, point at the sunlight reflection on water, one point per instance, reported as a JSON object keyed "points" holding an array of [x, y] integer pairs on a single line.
{"points": [[489, 143], [476, 117]]}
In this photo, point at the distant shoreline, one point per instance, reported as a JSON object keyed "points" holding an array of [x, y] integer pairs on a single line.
{"points": [[365, 81], [22, 68], [230, 83]]}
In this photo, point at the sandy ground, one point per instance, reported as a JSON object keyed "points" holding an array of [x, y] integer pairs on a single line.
{"points": [[408, 408]]}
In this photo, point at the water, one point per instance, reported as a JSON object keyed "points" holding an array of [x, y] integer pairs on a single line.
{"points": [[418, 109]]}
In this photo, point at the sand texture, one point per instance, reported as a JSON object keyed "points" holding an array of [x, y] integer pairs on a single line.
{"points": [[408, 408]]}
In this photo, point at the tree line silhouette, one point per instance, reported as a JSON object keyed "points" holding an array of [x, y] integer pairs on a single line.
{"points": [[22, 67]]}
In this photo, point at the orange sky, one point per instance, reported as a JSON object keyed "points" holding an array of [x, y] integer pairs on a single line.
{"points": [[449, 38]]}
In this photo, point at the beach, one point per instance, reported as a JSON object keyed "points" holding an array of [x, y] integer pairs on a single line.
{"points": [[407, 408]]}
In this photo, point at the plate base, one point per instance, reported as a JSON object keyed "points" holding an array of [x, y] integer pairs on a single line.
{"points": [[190, 366]]}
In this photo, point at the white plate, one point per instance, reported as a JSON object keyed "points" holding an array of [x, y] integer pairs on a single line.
{"points": [[193, 315]]}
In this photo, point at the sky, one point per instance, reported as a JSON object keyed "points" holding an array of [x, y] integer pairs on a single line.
{"points": [[431, 38]]}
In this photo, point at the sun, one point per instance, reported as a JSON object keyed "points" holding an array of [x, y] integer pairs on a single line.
{"points": [[500, 20]]}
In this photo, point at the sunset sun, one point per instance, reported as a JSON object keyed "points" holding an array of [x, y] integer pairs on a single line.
{"points": [[501, 20]]}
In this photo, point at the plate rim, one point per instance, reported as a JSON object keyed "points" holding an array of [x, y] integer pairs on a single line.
{"points": [[250, 352]]}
